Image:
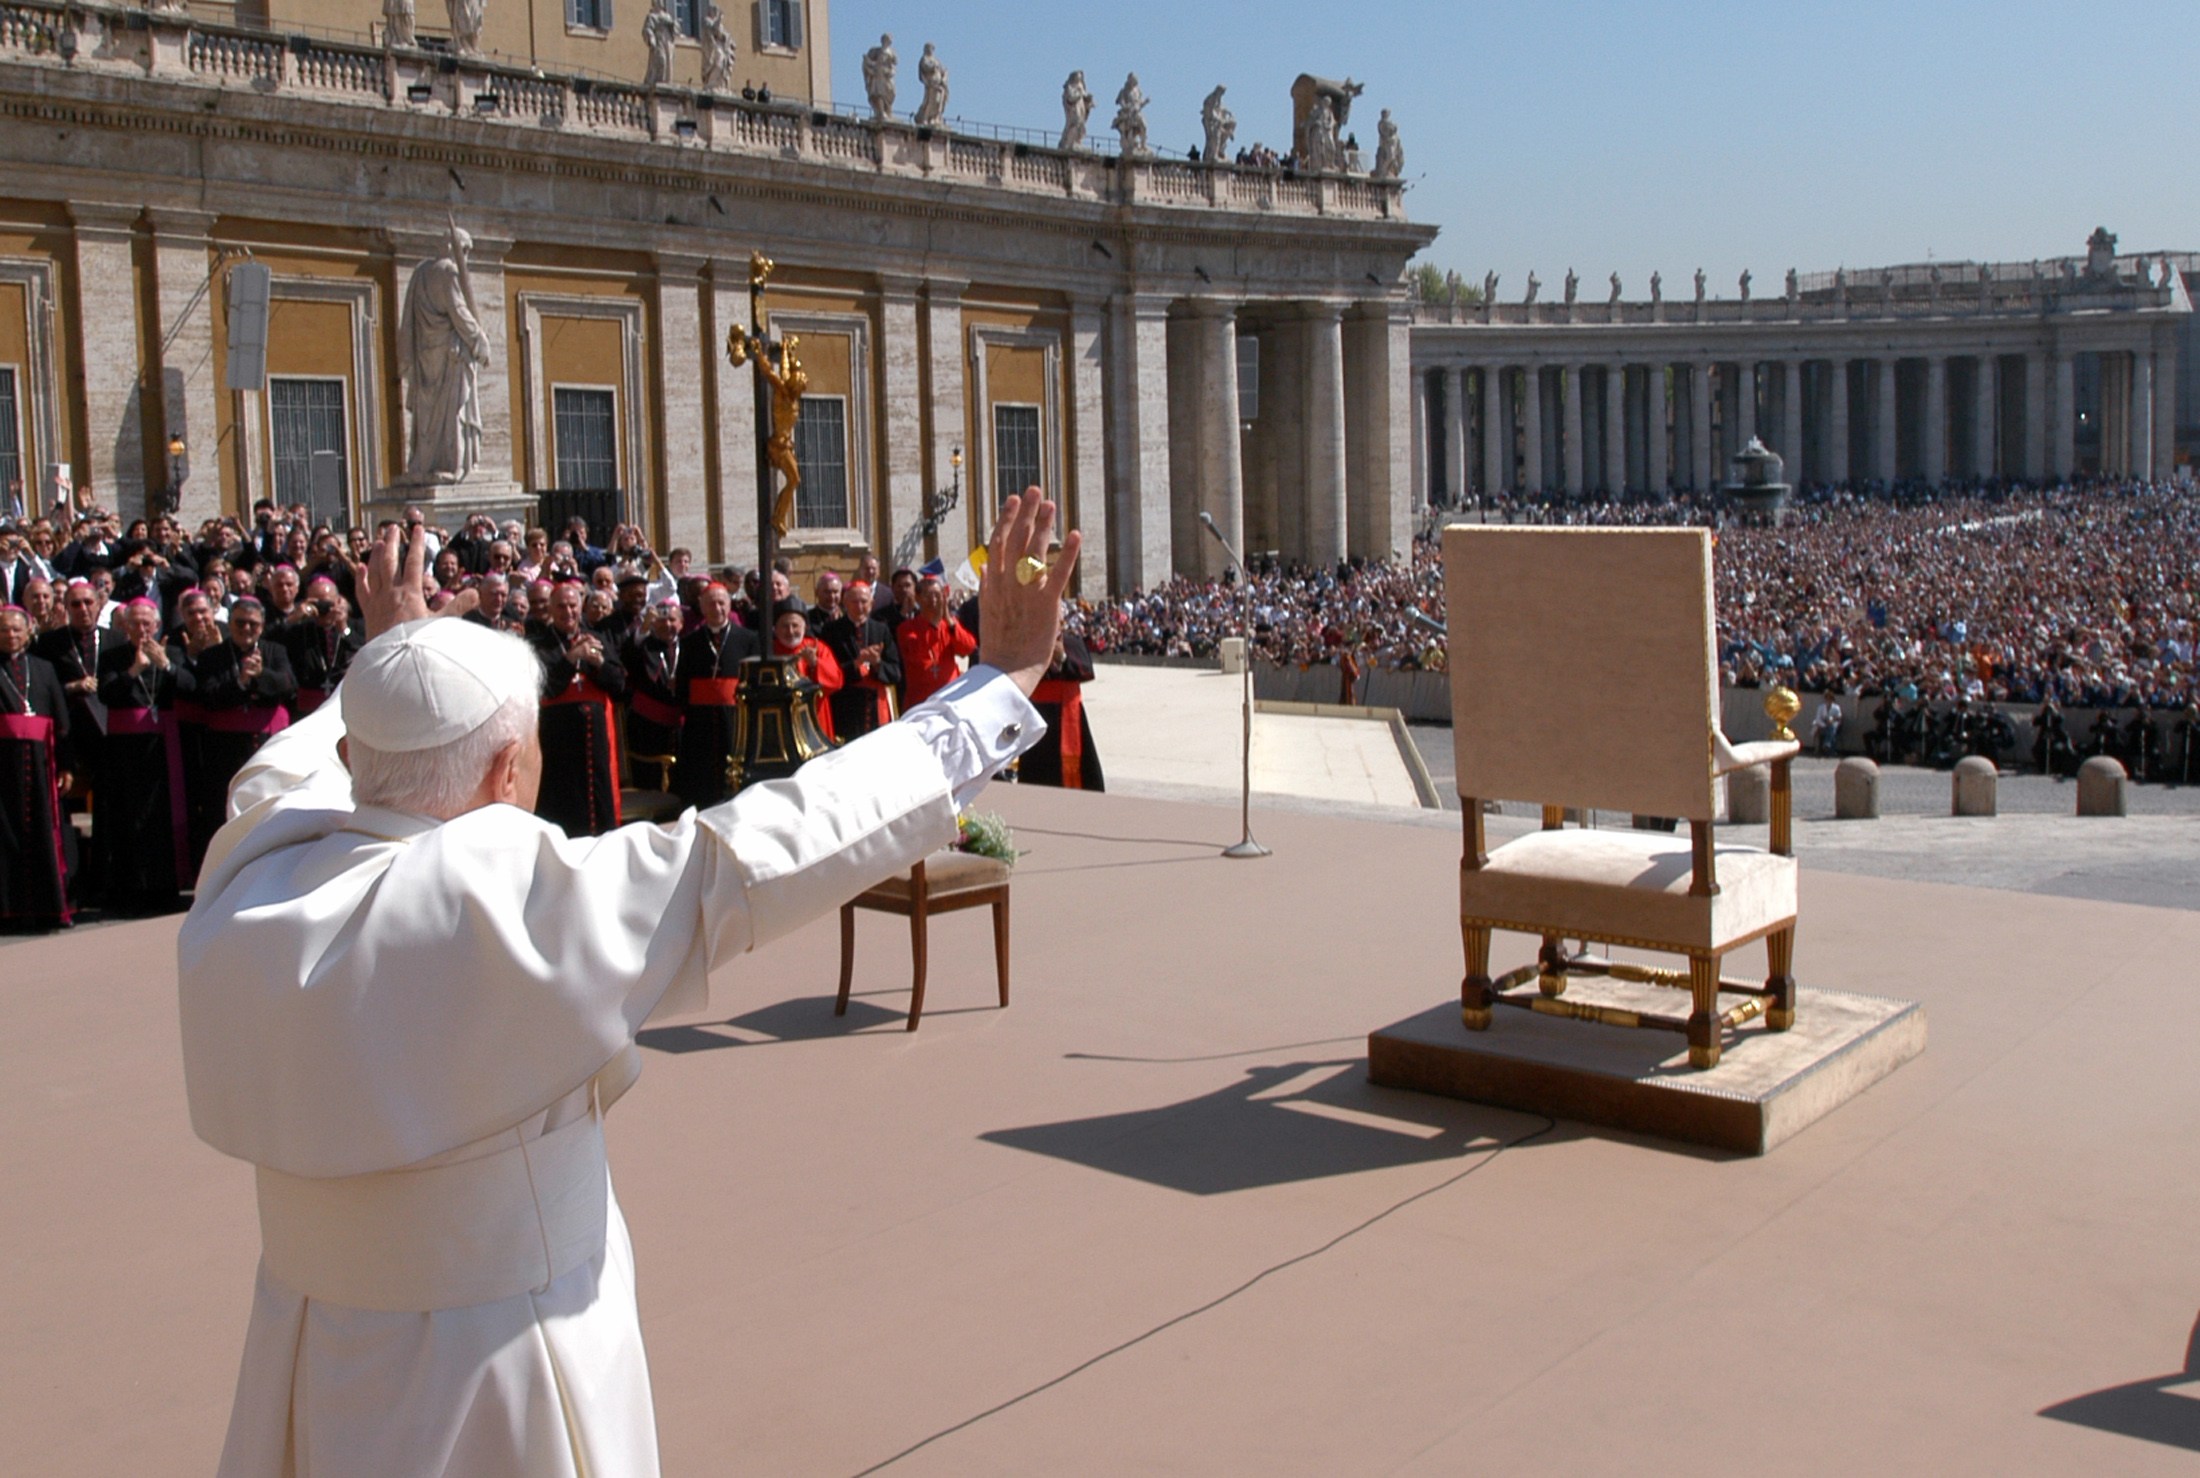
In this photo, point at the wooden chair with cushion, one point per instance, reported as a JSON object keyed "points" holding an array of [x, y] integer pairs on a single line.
{"points": [[941, 883], [1584, 677]]}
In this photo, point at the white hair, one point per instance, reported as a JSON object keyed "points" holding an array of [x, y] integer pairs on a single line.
{"points": [[439, 781]]}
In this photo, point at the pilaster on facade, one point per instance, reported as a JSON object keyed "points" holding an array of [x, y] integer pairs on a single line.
{"points": [[682, 364], [2165, 406], [1791, 417], [1085, 503], [1421, 443], [1883, 420], [190, 398], [945, 357], [734, 497], [1218, 455], [1615, 429], [1985, 423], [2141, 387], [1458, 435], [1702, 475], [1837, 421], [2036, 416], [1933, 435], [1657, 457], [901, 422], [2065, 415], [1745, 402], [114, 410], [1570, 428]]}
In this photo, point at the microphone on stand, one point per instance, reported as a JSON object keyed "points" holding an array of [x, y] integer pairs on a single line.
{"points": [[1245, 846]]}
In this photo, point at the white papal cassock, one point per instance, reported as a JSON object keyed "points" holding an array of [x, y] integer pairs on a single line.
{"points": [[412, 1029]]}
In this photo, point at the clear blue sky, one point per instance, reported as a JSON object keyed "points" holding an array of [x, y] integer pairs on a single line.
{"points": [[1557, 133]]}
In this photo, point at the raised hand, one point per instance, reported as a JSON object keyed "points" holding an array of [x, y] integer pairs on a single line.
{"points": [[1018, 622], [389, 596]]}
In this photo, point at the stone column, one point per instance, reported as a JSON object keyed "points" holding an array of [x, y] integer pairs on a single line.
{"points": [[1615, 429], [1657, 476], [1570, 428], [2035, 415], [1378, 357], [1420, 437], [190, 396], [1837, 419], [1933, 444], [1700, 471], [1791, 417], [1883, 427], [2142, 414], [682, 353], [1496, 435], [900, 420], [1138, 432], [107, 358], [1985, 443], [2065, 416], [2165, 408], [1457, 427], [945, 402], [1531, 428], [1221, 492], [1085, 502], [734, 434], [1745, 402], [1327, 529]]}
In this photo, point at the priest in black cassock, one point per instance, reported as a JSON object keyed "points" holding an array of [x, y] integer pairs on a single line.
{"points": [[654, 717], [73, 648], [1065, 755], [870, 665], [34, 726], [581, 681], [708, 674], [137, 791], [242, 690]]}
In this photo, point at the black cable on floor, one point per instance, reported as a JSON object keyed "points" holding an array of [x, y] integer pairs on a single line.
{"points": [[1165, 1325]]}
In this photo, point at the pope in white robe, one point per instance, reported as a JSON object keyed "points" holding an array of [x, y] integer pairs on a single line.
{"points": [[411, 1018]]}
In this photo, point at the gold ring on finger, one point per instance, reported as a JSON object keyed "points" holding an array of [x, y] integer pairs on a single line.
{"points": [[1029, 570]]}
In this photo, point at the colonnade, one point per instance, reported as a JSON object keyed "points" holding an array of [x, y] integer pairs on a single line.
{"points": [[1631, 426]]}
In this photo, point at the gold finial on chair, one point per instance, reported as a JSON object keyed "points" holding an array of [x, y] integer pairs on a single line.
{"points": [[1781, 705]]}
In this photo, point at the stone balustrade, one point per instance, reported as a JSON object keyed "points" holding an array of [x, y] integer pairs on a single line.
{"points": [[177, 48]]}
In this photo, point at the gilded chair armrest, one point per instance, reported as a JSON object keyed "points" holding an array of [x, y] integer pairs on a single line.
{"points": [[1727, 758]]}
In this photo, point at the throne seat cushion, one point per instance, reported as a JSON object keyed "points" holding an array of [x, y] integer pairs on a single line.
{"points": [[1628, 887]]}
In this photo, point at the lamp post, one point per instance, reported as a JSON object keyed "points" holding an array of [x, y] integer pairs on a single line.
{"points": [[943, 503], [1245, 846]]}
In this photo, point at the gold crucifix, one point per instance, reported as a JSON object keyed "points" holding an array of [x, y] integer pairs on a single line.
{"points": [[778, 365]]}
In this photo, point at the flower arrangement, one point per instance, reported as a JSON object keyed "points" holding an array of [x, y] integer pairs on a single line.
{"points": [[987, 835]]}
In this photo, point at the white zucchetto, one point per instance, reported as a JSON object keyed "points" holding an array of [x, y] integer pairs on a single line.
{"points": [[432, 682]]}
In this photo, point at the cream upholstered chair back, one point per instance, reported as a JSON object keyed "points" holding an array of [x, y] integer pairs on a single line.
{"points": [[1582, 667]]}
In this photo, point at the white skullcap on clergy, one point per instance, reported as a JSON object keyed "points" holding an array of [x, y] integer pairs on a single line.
{"points": [[432, 682]]}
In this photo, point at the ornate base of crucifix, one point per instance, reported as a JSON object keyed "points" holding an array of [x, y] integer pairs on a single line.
{"points": [[775, 728]]}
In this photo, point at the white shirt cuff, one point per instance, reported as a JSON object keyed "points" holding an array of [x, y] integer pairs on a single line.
{"points": [[975, 726]]}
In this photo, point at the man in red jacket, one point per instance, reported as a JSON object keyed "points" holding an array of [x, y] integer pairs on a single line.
{"points": [[930, 641]]}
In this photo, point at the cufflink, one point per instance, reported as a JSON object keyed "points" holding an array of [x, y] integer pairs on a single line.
{"points": [[1010, 733]]}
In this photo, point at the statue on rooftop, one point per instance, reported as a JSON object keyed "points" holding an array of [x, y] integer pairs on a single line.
{"points": [[879, 66], [1323, 153], [718, 52], [658, 32], [1745, 284], [466, 26], [1573, 287], [1699, 285], [1076, 110], [1130, 118], [1390, 155], [1220, 126], [1535, 285], [1489, 287], [1794, 289], [1657, 289], [397, 23], [932, 73], [1613, 300]]}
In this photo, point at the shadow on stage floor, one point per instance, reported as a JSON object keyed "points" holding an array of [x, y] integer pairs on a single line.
{"points": [[2164, 1409]]}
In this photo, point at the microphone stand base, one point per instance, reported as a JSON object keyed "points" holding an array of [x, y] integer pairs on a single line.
{"points": [[1246, 848]]}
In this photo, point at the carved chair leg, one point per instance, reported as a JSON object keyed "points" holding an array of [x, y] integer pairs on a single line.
{"points": [[1000, 944], [847, 956], [916, 948], [1780, 947], [1550, 966], [1474, 994], [1703, 1021]]}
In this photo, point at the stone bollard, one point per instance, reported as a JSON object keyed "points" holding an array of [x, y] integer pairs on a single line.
{"points": [[2103, 787], [1975, 781], [1232, 650], [1749, 796], [1856, 790]]}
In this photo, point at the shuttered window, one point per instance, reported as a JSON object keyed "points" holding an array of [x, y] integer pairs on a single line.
{"points": [[305, 419], [590, 15], [587, 437], [821, 451], [779, 23], [1015, 450]]}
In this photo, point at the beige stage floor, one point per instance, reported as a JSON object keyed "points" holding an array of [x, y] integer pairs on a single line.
{"points": [[1152, 1219]]}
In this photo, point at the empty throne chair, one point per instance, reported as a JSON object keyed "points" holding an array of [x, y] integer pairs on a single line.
{"points": [[1584, 677]]}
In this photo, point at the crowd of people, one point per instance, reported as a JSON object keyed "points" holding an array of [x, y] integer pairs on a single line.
{"points": [[140, 668]]}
